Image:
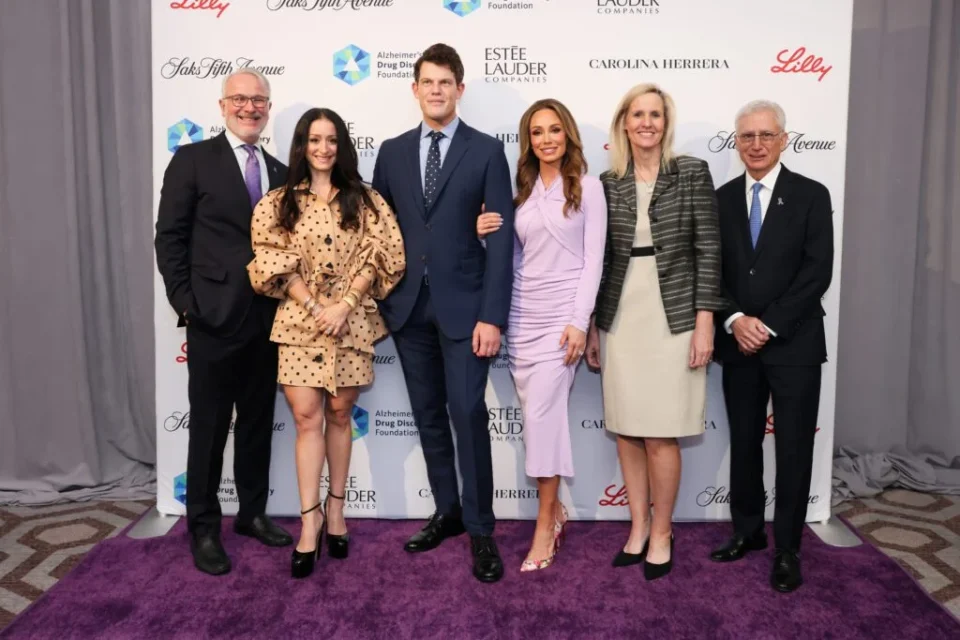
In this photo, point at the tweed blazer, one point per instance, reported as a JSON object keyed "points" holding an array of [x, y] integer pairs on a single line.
{"points": [[685, 227]]}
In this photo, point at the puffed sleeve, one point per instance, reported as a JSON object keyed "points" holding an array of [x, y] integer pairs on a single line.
{"points": [[275, 258], [380, 257]]}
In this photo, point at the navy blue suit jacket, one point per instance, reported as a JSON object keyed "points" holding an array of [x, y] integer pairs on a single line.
{"points": [[467, 283]]}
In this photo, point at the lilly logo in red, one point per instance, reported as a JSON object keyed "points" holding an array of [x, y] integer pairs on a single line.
{"points": [[182, 359], [799, 62], [769, 429], [210, 5]]}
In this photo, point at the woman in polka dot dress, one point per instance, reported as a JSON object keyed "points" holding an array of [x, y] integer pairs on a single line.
{"points": [[327, 246]]}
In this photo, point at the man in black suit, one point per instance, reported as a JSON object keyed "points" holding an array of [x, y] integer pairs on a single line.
{"points": [[203, 247], [777, 237]]}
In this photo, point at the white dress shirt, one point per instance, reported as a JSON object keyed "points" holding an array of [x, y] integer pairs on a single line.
{"points": [[237, 145], [768, 181]]}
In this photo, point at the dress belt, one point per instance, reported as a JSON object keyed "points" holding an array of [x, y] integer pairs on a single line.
{"points": [[641, 251]]}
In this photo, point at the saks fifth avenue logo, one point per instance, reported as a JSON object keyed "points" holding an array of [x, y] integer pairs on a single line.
{"points": [[333, 5], [798, 61], [505, 424], [210, 67], [512, 65], [385, 360], [628, 7], [180, 421], [721, 495], [667, 64], [797, 141], [209, 5], [356, 496]]}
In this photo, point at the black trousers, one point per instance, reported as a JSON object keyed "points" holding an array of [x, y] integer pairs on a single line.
{"points": [[441, 373], [239, 370], [796, 400]]}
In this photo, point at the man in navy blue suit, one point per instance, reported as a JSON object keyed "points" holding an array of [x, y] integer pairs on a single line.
{"points": [[447, 313]]}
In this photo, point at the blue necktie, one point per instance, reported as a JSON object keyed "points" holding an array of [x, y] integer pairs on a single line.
{"points": [[431, 174], [755, 219]]}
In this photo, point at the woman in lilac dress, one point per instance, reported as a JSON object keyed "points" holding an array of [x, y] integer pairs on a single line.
{"points": [[560, 230]]}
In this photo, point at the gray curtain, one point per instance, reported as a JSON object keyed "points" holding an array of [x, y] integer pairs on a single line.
{"points": [[76, 327], [76, 361], [898, 366]]}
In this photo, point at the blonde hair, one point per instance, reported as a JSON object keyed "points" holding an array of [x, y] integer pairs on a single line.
{"points": [[620, 153]]}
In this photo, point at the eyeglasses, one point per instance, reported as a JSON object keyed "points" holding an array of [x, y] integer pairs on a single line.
{"points": [[239, 100], [766, 137]]}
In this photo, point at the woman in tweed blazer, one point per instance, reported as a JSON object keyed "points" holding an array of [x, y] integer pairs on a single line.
{"points": [[652, 335]]}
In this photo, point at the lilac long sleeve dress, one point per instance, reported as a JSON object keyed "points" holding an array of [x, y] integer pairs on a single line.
{"points": [[557, 264]]}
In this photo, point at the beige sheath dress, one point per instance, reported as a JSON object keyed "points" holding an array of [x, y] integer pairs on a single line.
{"points": [[649, 390]]}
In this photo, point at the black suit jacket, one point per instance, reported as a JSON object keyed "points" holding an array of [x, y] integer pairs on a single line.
{"points": [[782, 281], [467, 283], [203, 236]]}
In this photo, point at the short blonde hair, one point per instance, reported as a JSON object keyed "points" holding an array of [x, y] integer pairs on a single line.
{"points": [[620, 153]]}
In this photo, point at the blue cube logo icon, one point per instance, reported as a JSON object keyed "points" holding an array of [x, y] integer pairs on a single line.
{"points": [[351, 64], [183, 132], [180, 488], [461, 7], [360, 422]]}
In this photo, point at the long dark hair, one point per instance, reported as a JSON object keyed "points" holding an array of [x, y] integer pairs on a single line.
{"points": [[572, 168], [345, 175]]}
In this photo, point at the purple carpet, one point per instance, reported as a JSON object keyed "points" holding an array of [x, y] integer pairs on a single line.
{"points": [[127, 588]]}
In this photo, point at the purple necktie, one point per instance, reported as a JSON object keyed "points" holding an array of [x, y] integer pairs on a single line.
{"points": [[251, 175]]}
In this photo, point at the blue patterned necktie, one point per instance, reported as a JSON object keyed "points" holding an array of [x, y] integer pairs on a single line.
{"points": [[251, 175], [431, 176], [755, 220]]}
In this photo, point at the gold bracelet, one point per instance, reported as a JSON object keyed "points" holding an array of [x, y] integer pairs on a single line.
{"points": [[356, 294], [350, 301], [309, 303]]}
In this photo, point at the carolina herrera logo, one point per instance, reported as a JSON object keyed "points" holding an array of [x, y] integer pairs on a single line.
{"points": [[351, 64], [181, 133]]}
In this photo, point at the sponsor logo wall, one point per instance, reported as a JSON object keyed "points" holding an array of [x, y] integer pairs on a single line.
{"points": [[586, 53]]}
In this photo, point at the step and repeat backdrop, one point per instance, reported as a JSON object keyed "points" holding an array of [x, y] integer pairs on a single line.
{"points": [[356, 57]]}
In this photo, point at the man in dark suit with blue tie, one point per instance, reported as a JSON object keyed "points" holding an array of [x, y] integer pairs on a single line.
{"points": [[447, 313], [776, 232], [203, 247]]}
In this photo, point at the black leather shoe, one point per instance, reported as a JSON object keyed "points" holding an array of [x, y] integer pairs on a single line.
{"points": [[208, 554], [738, 546], [438, 528], [785, 576], [487, 565], [263, 529], [624, 559]]}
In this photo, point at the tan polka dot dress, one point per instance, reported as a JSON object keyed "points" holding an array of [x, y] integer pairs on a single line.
{"points": [[327, 258]]}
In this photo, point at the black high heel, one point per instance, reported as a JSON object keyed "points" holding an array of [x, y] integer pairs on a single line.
{"points": [[653, 571], [338, 546], [624, 559], [302, 562]]}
